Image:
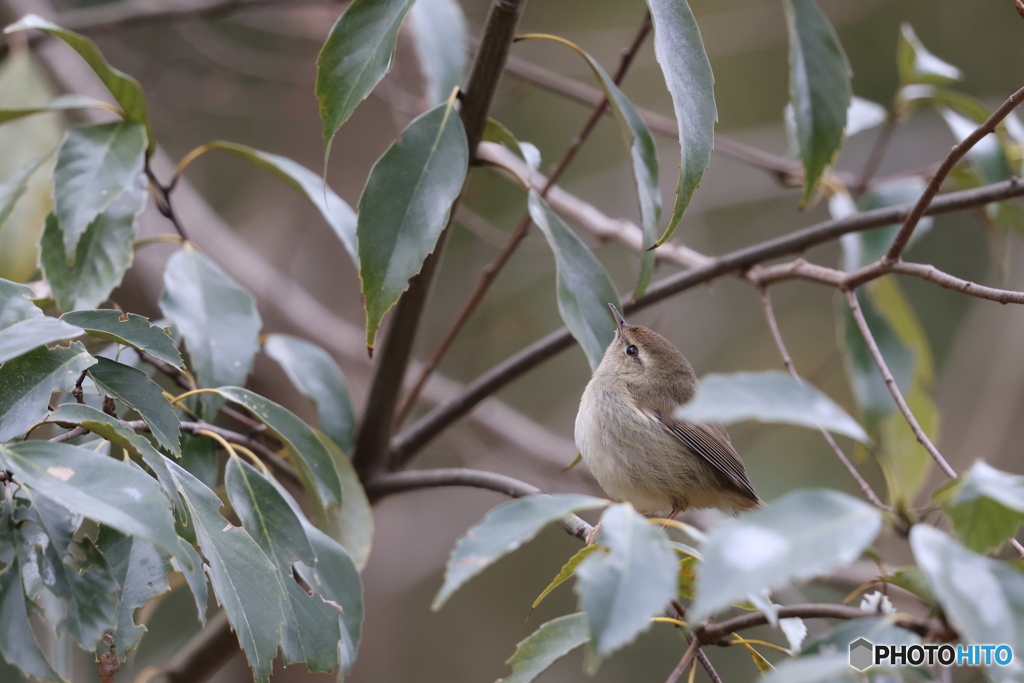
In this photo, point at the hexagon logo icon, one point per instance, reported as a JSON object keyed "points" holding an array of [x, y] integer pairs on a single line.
{"points": [[861, 653]]}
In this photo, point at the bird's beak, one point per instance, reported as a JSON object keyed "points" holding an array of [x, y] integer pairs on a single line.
{"points": [[620, 322]]}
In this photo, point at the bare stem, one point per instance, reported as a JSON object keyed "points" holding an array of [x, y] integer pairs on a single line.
{"points": [[691, 652], [957, 153], [491, 271], [869, 339]]}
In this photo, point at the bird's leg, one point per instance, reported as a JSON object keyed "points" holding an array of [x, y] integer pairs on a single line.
{"points": [[593, 533]]}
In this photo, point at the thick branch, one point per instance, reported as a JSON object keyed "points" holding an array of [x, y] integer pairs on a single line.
{"points": [[371, 448], [411, 440], [385, 484], [957, 153]]}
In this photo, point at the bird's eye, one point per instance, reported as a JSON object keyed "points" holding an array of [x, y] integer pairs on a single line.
{"points": [[631, 350]]}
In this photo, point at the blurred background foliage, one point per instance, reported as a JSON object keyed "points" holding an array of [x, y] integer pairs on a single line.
{"points": [[248, 77]]}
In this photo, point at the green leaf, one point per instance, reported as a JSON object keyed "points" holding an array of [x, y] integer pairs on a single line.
{"points": [[915, 64], [27, 382], [312, 460], [356, 56], [825, 668], [876, 629], [338, 214], [62, 103], [986, 506], [137, 391], [680, 53], [862, 248], [643, 156], [406, 204], [622, 589], [543, 647], [439, 30], [986, 155], [16, 304], [217, 318], [17, 641], [819, 88], [102, 256], [869, 388], [495, 131], [767, 397], [501, 531], [126, 90], [14, 187], [912, 97], [336, 581], [197, 582], [584, 288], [317, 377], [26, 335], [983, 599], [352, 525], [109, 491], [864, 115], [244, 579], [128, 329], [94, 166], [141, 572], [310, 632], [568, 569], [804, 534]]}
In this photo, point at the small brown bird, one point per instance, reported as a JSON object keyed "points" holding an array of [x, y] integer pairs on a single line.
{"points": [[637, 451]]}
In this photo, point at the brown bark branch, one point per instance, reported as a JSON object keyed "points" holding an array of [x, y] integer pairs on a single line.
{"points": [[910, 222], [711, 633]]}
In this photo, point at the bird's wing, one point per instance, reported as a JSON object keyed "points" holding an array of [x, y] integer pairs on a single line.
{"points": [[711, 442]]}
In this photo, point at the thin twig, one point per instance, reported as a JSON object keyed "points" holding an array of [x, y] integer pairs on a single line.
{"points": [[876, 155], [958, 151], [712, 633], [702, 657], [421, 432], [491, 271], [688, 656], [71, 434], [162, 197], [773, 325], [869, 339]]}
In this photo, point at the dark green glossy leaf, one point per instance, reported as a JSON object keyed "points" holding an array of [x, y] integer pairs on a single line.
{"points": [[17, 641], [355, 57], [439, 28], [141, 572], [317, 377], [126, 90], [26, 335], [244, 579], [199, 456], [102, 256], [16, 303], [98, 487], [405, 206], [336, 581], [311, 459], [89, 592], [819, 88], [869, 387], [584, 288], [216, 317], [128, 329], [568, 570], [680, 53], [983, 599], [338, 214], [94, 166], [986, 506], [137, 391], [767, 397], [352, 525], [916, 64], [804, 534], [622, 588], [310, 633], [543, 647], [62, 103], [27, 382], [15, 186], [501, 531]]}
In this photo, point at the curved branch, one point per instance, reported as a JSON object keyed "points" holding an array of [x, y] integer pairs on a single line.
{"points": [[957, 153], [412, 439], [711, 633], [385, 484]]}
